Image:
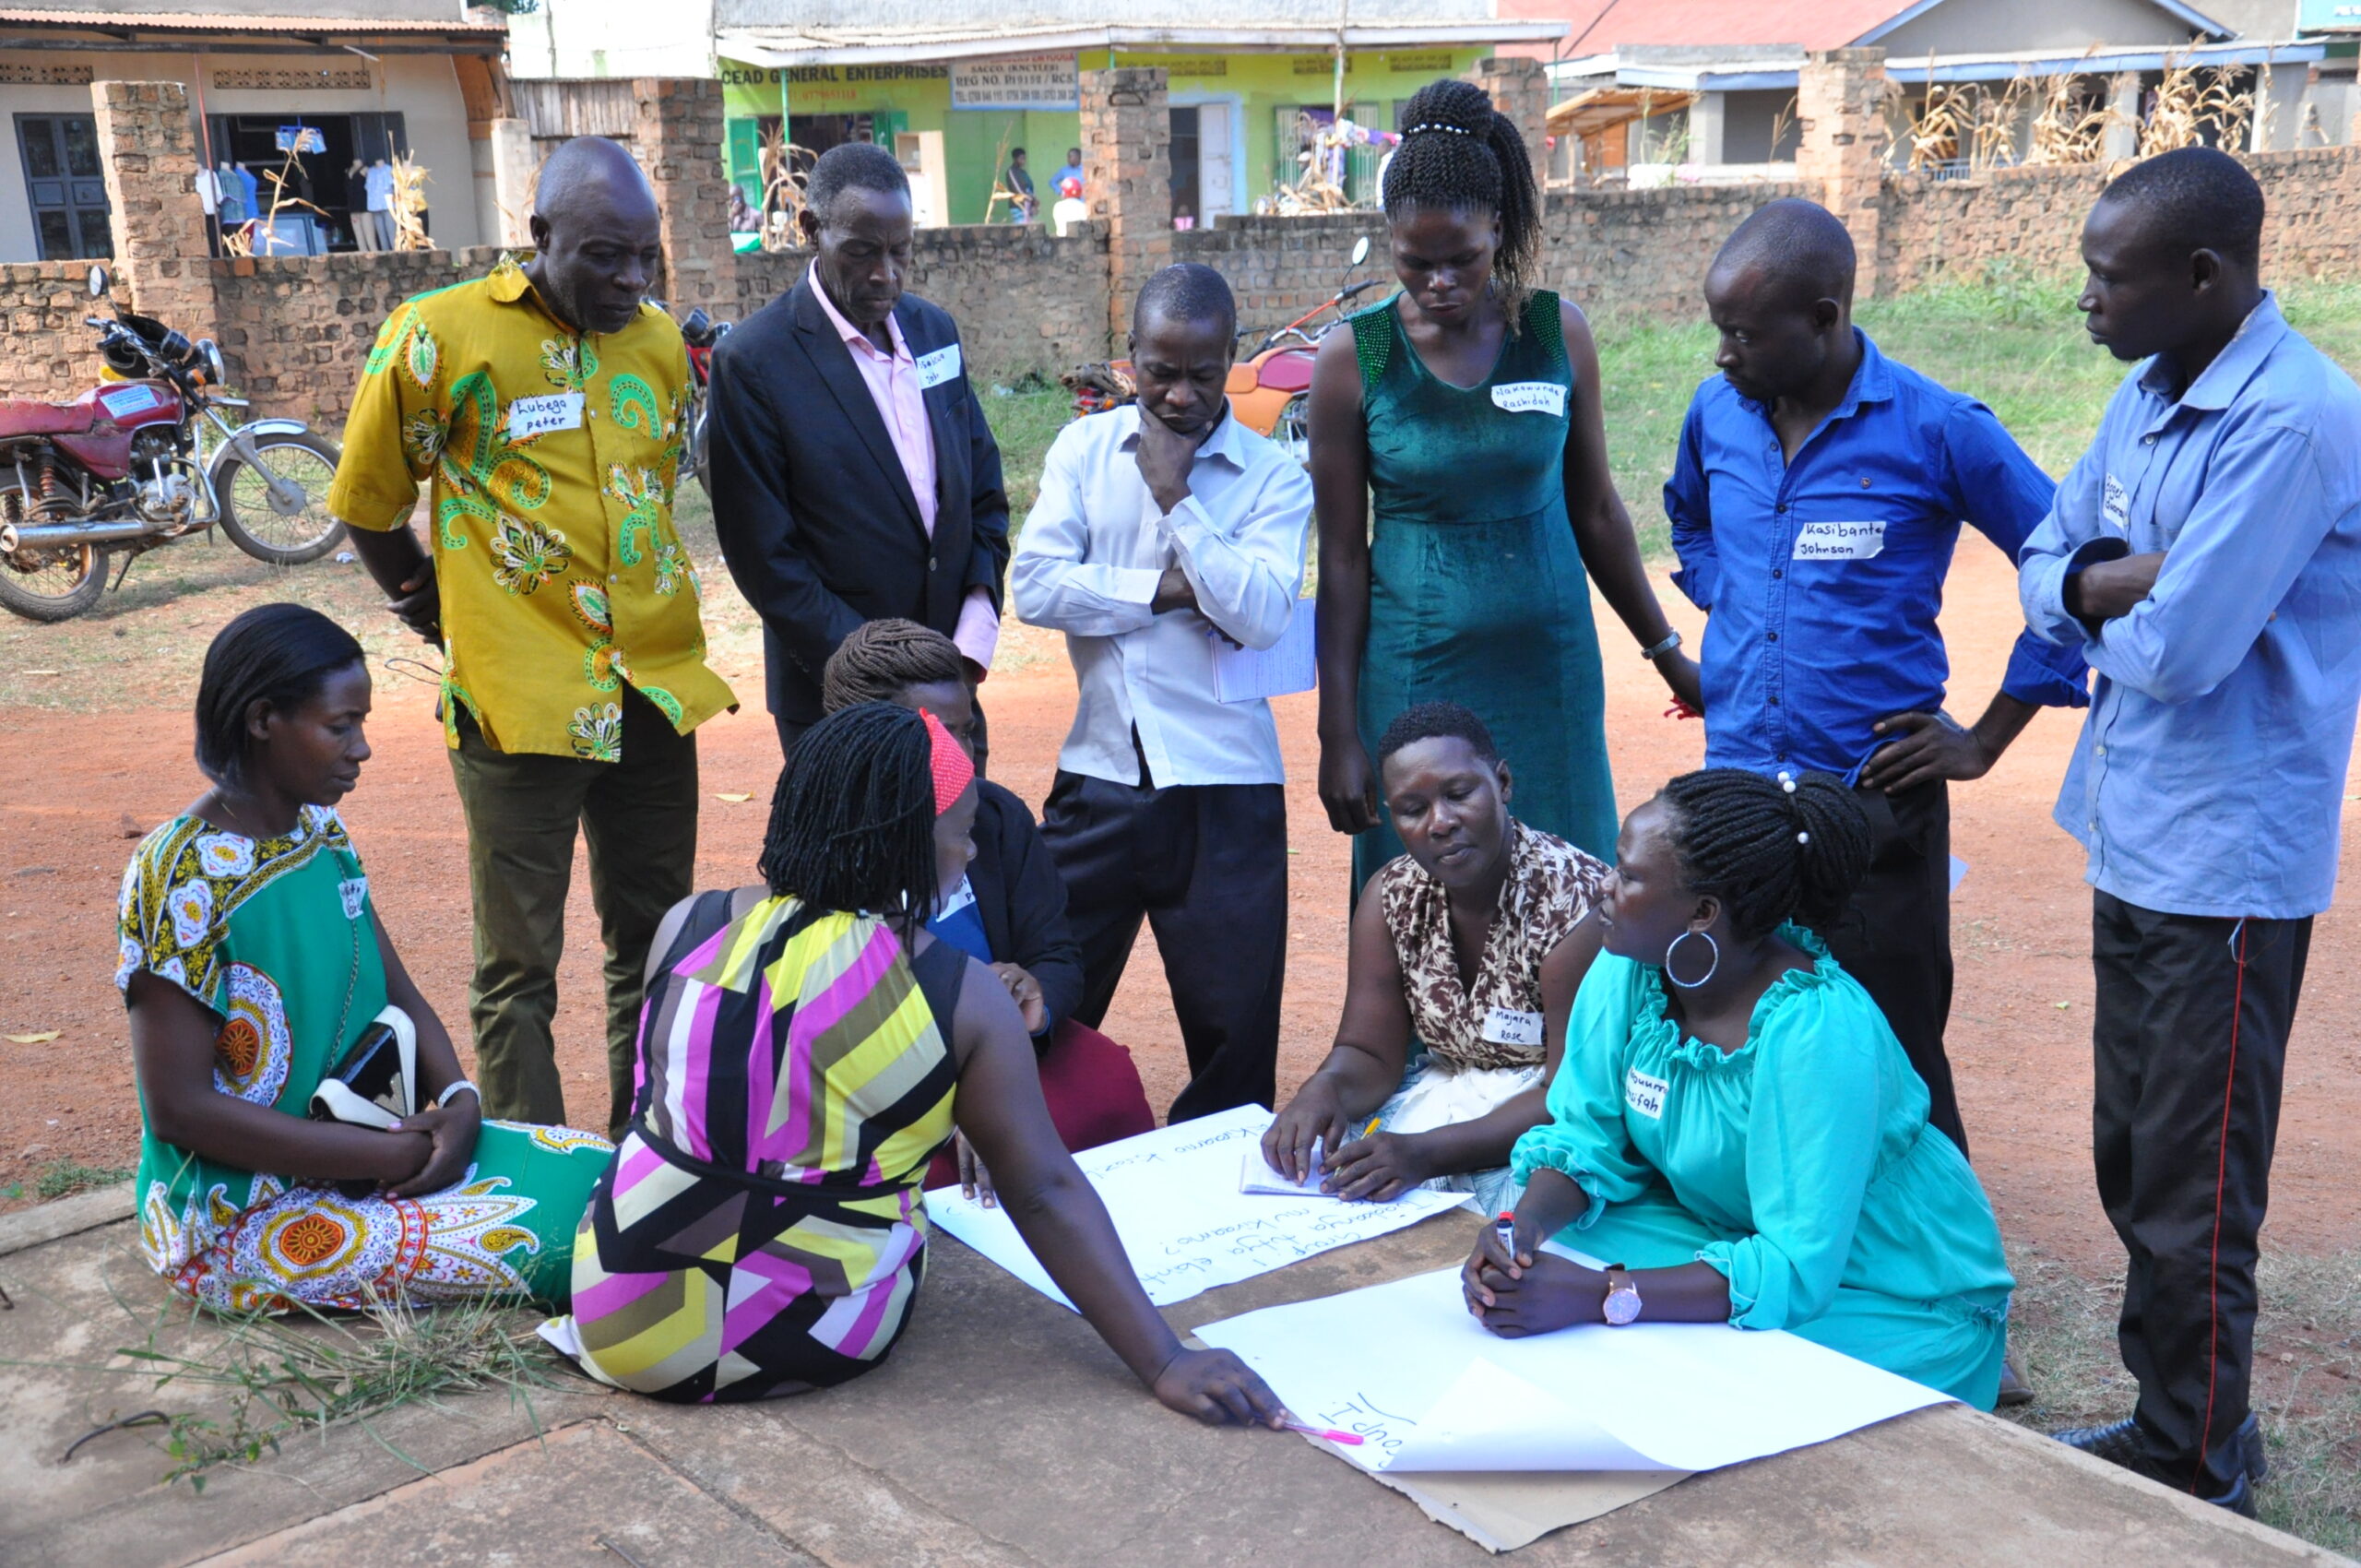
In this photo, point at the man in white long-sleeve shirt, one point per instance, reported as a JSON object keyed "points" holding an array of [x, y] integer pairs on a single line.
{"points": [[1163, 528]]}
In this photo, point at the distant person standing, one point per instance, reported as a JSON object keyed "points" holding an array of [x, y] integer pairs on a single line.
{"points": [[208, 196], [1816, 501], [2205, 557], [1069, 170], [1165, 529], [542, 404], [356, 202], [1019, 184], [1071, 209], [380, 181], [854, 478], [249, 193]]}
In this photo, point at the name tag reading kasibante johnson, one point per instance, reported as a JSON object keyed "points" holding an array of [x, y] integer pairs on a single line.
{"points": [[1840, 541], [528, 417], [1530, 396], [938, 367]]}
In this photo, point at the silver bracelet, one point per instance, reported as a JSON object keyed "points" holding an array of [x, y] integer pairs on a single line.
{"points": [[1671, 641], [450, 1090]]}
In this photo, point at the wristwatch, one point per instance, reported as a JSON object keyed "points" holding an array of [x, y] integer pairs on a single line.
{"points": [[1622, 1303], [1671, 641]]}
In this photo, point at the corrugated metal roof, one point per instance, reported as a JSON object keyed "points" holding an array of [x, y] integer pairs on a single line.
{"points": [[812, 45], [214, 21]]}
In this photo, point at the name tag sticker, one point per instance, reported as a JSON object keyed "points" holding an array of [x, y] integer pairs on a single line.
{"points": [[354, 891], [2116, 504], [133, 399], [1530, 397], [938, 367], [1643, 1094], [528, 417], [1506, 1026], [1840, 541]]}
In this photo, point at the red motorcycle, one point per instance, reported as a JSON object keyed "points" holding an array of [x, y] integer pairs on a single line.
{"points": [[703, 335], [145, 458]]}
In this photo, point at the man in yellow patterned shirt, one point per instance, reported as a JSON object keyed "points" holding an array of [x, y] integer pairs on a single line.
{"points": [[543, 406]]}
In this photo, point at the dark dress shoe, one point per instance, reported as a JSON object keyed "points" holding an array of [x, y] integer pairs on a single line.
{"points": [[2013, 1388], [2117, 1443]]}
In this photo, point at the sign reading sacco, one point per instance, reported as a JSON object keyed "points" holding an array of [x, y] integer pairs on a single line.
{"points": [[1016, 81]]}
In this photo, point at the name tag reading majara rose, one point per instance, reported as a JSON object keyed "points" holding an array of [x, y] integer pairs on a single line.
{"points": [[1507, 1026], [938, 367], [528, 417], [1840, 541], [1530, 396]]}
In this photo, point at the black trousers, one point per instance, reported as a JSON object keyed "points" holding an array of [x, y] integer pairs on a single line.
{"points": [[1206, 866], [2190, 1045], [1895, 936]]}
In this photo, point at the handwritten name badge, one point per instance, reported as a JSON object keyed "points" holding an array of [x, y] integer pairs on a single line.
{"points": [[528, 417], [2117, 505], [1643, 1094], [1506, 1026], [938, 367], [1530, 397], [1840, 541], [354, 891]]}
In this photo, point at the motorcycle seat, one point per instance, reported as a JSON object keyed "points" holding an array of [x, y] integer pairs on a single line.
{"points": [[25, 417], [1286, 370]]}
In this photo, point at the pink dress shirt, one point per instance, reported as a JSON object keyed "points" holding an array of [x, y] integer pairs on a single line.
{"points": [[892, 382]]}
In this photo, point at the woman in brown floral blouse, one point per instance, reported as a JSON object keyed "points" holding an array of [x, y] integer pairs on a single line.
{"points": [[1472, 944]]}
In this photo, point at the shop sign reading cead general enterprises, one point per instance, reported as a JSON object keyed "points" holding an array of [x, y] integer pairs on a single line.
{"points": [[1016, 81]]}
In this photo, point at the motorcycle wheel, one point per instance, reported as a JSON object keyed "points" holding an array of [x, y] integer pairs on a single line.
{"points": [[701, 450], [1293, 430], [255, 524], [48, 585]]}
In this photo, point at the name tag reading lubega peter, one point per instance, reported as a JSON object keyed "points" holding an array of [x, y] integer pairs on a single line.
{"points": [[1840, 541], [1530, 397], [528, 417]]}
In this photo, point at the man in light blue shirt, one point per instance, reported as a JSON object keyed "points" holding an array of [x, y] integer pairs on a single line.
{"points": [[2205, 554]]}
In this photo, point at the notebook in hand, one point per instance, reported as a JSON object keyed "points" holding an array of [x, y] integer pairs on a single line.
{"points": [[1255, 1174]]}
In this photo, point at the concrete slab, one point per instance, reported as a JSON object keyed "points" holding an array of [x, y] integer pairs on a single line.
{"points": [[586, 1495], [81, 1299], [67, 1217], [999, 1435]]}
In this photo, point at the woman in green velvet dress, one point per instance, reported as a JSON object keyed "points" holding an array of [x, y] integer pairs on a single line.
{"points": [[1468, 406]]}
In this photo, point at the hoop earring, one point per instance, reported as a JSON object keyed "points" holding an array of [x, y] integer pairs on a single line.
{"points": [[1710, 968]]}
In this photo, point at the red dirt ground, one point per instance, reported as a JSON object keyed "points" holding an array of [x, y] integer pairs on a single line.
{"points": [[73, 789]]}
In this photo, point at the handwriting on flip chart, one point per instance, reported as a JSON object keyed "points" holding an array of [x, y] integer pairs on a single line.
{"points": [[1186, 1227]]}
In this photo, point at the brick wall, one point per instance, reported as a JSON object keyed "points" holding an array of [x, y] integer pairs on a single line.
{"points": [[45, 351], [1026, 302], [2035, 217], [295, 329]]}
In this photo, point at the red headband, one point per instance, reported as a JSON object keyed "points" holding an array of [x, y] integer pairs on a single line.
{"points": [[953, 771]]}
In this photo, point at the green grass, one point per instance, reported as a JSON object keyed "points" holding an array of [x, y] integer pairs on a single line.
{"points": [[67, 1177], [2307, 1384]]}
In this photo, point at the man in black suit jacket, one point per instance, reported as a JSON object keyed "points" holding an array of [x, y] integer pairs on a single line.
{"points": [[854, 478]]}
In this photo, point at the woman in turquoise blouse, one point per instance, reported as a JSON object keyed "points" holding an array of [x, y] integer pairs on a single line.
{"points": [[1733, 1123]]}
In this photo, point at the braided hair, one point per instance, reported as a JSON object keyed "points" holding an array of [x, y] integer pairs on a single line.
{"points": [[1771, 849], [1459, 154], [852, 821], [883, 659]]}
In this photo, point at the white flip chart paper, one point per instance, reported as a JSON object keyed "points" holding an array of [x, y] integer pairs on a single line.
{"points": [[1174, 1196], [1404, 1365], [1287, 666]]}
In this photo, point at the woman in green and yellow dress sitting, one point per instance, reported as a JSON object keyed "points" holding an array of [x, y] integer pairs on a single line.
{"points": [[252, 960], [1734, 1130]]}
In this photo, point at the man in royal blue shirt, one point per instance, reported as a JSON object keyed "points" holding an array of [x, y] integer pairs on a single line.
{"points": [[2205, 557], [1815, 505]]}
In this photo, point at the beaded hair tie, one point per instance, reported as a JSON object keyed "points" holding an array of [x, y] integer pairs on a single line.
{"points": [[1435, 125]]}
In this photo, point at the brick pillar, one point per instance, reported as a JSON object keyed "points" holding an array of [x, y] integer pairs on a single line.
{"points": [[1840, 108], [677, 138], [148, 146], [1127, 176], [1520, 90]]}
